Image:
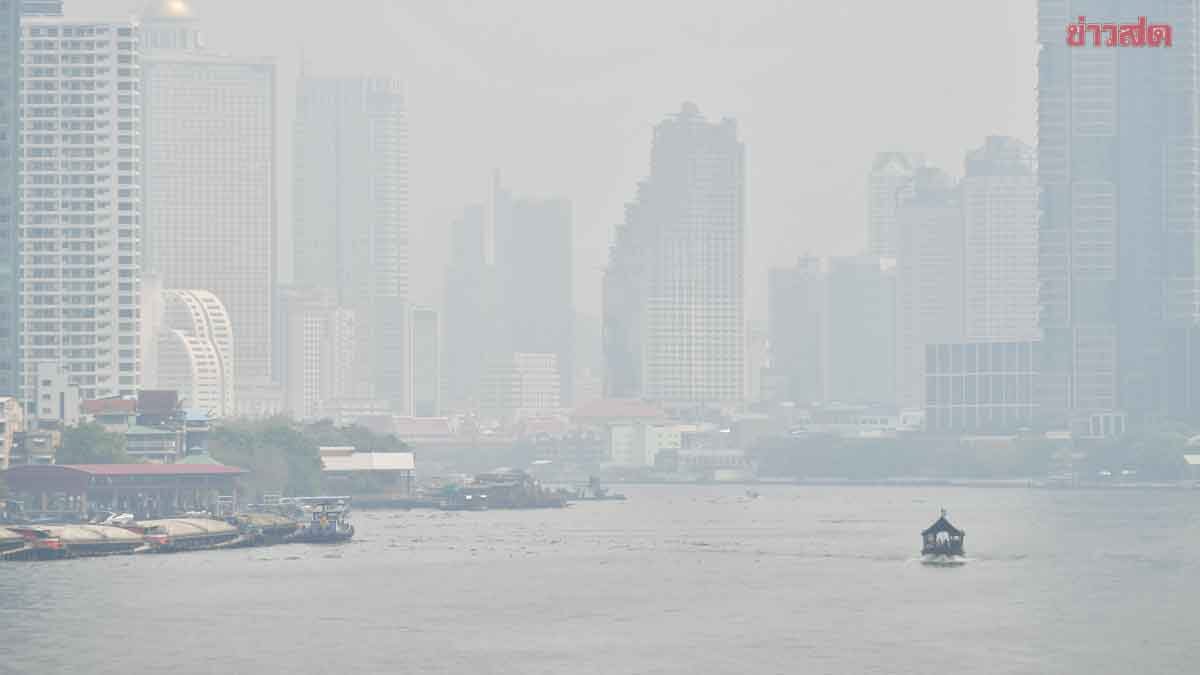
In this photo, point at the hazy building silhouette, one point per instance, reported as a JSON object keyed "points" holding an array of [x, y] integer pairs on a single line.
{"points": [[1117, 164], [319, 350], [980, 386], [796, 329], [1000, 220], [426, 362], [674, 322], [860, 330], [930, 283], [196, 351], [209, 162], [10, 151], [351, 214], [81, 223], [533, 259], [519, 386], [889, 181], [472, 332]]}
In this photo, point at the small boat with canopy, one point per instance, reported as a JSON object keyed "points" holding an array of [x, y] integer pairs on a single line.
{"points": [[943, 543]]}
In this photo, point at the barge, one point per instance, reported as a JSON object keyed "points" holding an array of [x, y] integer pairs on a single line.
{"points": [[264, 528], [170, 535], [53, 542]]}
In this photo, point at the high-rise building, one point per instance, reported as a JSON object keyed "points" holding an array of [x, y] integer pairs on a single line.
{"points": [[472, 331], [426, 362], [674, 324], [1000, 217], [351, 214], [209, 164], [319, 350], [796, 330], [533, 261], [196, 351], [889, 182], [81, 215], [10, 209], [1119, 265], [930, 284], [860, 331]]}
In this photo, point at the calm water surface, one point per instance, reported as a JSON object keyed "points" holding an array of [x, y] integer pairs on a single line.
{"points": [[675, 580]]}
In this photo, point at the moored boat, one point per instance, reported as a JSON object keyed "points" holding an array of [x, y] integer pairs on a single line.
{"points": [[323, 520], [942, 543], [10, 542]]}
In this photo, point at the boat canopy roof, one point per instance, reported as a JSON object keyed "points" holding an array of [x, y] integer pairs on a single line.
{"points": [[943, 525]]}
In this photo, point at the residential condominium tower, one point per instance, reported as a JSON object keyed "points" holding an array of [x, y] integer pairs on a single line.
{"points": [[674, 289], [10, 208], [81, 213], [351, 215], [1118, 171], [889, 182], [209, 162]]}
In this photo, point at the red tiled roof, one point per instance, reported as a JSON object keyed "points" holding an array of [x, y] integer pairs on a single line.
{"points": [[109, 405], [616, 408], [154, 469]]}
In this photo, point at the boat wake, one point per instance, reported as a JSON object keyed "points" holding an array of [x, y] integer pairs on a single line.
{"points": [[939, 560]]}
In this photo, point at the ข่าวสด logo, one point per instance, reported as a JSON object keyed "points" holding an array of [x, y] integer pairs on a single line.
{"points": [[1140, 34]]}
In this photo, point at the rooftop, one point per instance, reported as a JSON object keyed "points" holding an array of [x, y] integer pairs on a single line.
{"points": [[369, 461]]}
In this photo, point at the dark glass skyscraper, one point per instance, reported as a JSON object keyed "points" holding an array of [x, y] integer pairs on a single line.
{"points": [[1117, 161]]}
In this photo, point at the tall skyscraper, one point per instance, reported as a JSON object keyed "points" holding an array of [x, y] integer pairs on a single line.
{"points": [[860, 331], [472, 331], [930, 283], [796, 329], [1000, 220], [10, 157], [351, 214], [533, 261], [81, 219], [1119, 266], [889, 182], [674, 289], [209, 160]]}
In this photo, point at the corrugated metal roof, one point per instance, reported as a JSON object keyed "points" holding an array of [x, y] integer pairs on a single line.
{"points": [[370, 461], [153, 469], [1193, 460]]}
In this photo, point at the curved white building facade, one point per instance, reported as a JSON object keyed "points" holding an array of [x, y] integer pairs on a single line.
{"points": [[196, 350]]}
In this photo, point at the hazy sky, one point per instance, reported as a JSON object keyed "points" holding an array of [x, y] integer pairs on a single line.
{"points": [[561, 96]]}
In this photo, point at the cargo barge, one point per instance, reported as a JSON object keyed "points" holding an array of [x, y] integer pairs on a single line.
{"points": [[170, 535], [55, 542]]}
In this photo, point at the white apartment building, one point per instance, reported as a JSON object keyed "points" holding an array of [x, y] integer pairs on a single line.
{"points": [[80, 212], [195, 351], [209, 164]]}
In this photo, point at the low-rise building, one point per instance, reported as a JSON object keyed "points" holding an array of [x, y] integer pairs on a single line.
{"points": [[346, 471], [12, 422]]}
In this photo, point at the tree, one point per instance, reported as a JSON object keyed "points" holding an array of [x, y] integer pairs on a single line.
{"points": [[90, 443]]}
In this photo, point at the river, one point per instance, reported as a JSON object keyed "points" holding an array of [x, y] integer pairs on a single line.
{"points": [[680, 579]]}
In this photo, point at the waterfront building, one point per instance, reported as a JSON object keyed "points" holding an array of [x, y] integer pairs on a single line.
{"points": [[1117, 159], [81, 213], [196, 351], [674, 314], [888, 183], [209, 161], [12, 423], [980, 386], [10, 196], [350, 195]]}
